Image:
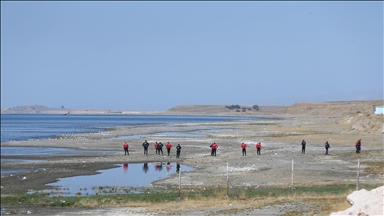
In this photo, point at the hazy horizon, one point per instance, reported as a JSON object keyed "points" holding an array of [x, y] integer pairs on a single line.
{"points": [[242, 105]]}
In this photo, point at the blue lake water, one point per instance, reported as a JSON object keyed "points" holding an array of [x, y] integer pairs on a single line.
{"points": [[20, 127], [164, 134], [20, 151]]}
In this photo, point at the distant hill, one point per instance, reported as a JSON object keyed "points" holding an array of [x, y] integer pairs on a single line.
{"points": [[341, 108], [39, 109], [358, 114], [222, 110], [35, 109]]}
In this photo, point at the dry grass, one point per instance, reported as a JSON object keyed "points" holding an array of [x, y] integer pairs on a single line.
{"points": [[326, 204], [375, 167]]}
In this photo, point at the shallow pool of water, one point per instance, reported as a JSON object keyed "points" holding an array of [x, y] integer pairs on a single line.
{"points": [[121, 180]]}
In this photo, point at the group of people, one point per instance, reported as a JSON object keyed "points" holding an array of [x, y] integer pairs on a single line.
{"points": [[159, 148], [327, 146], [303, 144], [244, 148]]}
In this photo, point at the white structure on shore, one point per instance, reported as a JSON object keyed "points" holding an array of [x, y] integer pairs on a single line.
{"points": [[379, 110]]}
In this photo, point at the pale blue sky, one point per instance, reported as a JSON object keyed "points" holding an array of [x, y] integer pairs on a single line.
{"points": [[156, 55]]}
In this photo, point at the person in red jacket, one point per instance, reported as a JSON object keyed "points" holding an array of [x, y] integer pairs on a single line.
{"points": [[157, 147], [258, 147], [214, 146], [126, 146], [244, 147], [168, 146]]}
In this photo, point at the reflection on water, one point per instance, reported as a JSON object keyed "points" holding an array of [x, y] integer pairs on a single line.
{"points": [[158, 166], [145, 167], [115, 180], [169, 166]]}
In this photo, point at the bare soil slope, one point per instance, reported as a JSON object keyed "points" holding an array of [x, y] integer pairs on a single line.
{"points": [[358, 114], [332, 108]]}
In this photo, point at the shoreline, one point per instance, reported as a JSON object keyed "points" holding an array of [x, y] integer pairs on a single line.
{"points": [[102, 128], [280, 140]]}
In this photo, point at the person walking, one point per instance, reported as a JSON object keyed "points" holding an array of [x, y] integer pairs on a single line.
{"points": [[358, 145], [169, 146], [178, 150], [327, 146], [160, 148], [157, 147], [303, 143], [244, 149], [258, 148], [126, 146], [214, 148], [145, 146]]}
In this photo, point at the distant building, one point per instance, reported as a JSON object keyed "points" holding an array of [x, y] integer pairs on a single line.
{"points": [[379, 110]]}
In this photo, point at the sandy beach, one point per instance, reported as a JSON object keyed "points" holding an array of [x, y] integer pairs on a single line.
{"points": [[280, 135]]}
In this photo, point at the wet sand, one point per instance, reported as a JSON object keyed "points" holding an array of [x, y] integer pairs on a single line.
{"points": [[281, 143]]}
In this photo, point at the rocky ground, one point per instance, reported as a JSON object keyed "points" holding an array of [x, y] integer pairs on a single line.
{"points": [[280, 137]]}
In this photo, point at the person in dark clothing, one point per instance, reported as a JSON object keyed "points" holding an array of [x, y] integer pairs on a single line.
{"points": [[178, 150], [145, 145], [303, 143], [160, 148], [358, 146], [327, 146]]}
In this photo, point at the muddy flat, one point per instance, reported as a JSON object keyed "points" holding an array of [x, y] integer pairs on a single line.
{"points": [[280, 135]]}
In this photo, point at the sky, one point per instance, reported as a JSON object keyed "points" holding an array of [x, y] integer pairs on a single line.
{"points": [[153, 55]]}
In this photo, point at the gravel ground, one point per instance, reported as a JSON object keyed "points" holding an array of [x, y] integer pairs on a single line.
{"points": [[281, 144]]}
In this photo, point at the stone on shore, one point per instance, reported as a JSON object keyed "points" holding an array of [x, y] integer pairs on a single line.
{"points": [[365, 203]]}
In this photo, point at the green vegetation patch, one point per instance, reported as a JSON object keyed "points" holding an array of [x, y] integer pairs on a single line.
{"points": [[43, 199]]}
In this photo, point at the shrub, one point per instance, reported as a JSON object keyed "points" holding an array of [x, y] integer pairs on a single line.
{"points": [[233, 107]]}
